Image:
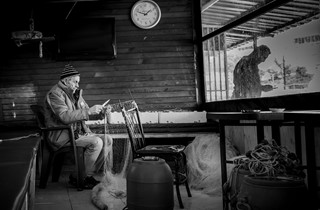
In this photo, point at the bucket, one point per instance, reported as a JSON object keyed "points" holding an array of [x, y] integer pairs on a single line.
{"points": [[149, 185], [258, 193]]}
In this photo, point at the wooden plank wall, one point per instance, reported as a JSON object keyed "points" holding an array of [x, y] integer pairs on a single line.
{"points": [[156, 65]]}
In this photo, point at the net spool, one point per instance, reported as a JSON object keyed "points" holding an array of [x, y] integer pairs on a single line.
{"points": [[149, 185], [258, 193]]}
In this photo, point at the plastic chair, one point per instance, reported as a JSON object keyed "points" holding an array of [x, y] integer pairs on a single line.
{"points": [[49, 157], [171, 153]]}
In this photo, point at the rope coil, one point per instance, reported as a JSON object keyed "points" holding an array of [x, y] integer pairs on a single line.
{"points": [[266, 160], [272, 160]]}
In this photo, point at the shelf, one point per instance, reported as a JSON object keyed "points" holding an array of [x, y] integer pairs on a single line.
{"points": [[43, 39]]}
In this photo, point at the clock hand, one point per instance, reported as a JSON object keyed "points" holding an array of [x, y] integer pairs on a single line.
{"points": [[141, 13], [148, 11]]}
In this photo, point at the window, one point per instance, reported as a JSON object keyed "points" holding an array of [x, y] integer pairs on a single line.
{"points": [[235, 64]]}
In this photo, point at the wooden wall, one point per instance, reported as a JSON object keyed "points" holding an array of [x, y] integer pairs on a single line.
{"points": [[157, 66]]}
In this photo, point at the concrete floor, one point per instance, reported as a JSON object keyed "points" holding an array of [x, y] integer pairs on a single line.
{"points": [[62, 196]]}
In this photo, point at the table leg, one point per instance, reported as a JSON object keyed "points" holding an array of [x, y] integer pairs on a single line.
{"points": [[297, 140], [224, 177], [275, 129], [260, 132], [311, 165]]}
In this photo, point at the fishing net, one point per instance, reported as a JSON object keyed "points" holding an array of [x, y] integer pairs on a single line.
{"points": [[203, 160], [111, 192]]}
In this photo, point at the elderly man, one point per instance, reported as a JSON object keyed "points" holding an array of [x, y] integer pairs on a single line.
{"points": [[64, 105], [246, 78]]}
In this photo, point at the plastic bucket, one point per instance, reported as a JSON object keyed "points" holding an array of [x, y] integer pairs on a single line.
{"points": [[149, 185]]}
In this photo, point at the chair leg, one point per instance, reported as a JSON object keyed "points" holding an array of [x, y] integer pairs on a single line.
{"points": [[186, 172], [45, 169], [178, 183], [188, 189], [57, 167]]}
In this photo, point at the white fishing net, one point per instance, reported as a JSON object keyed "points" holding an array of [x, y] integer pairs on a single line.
{"points": [[203, 160], [111, 192]]}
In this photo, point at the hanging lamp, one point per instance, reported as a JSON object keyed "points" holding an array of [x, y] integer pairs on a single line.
{"points": [[31, 36]]}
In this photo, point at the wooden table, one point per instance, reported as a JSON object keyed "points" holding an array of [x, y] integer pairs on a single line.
{"points": [[308, 118], [18, 168]]}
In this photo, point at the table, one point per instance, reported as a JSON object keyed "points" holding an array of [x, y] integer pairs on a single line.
{"points": [[308, 118], [18, 168]]}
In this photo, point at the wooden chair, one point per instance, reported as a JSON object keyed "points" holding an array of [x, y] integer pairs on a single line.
{"points": [[49, 157], [171, 153]]}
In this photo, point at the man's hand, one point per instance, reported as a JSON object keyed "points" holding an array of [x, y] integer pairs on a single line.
{"points": [[108, 109], [266, 88], [96, 109]]}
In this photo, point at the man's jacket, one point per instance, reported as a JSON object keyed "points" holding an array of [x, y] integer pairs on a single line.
{"points": [[63, 108]]}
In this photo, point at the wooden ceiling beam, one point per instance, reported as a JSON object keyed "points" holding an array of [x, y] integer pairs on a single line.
{"points": [[208, 5], [249, 16]]}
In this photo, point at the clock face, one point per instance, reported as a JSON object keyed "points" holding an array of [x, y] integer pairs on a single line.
{"points": [[145, 14]]}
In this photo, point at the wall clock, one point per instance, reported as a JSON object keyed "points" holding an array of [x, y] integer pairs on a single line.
{"points": [[145, 14]]}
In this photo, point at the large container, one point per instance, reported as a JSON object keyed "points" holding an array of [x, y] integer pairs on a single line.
{"points": [[149, 185], [258, 193]]}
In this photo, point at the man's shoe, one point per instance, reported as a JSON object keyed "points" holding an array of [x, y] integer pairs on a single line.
{"points": [[90, 182], [72, 181]]}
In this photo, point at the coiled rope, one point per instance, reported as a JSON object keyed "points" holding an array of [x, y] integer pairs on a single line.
{"points": [[267, 159], [272, 160]]}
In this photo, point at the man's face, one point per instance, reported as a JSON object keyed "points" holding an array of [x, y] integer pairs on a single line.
{"points": [[73, 84], [264, 56]]}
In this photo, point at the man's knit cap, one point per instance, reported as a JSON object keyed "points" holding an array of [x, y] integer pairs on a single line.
{"points": [[68, 71]]}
